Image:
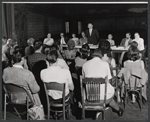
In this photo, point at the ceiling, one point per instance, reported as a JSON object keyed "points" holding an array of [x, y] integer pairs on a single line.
{"points": [[91, 9]]}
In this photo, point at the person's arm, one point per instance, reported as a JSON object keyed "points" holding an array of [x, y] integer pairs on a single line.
{"points": [[33, 86], [141, 44], [70, 82], [113, 64], [44, 42], [142, 64], [108, 71]]}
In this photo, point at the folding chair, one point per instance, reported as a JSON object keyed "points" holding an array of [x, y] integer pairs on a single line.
{"points": [[65, 105], [90, 92], [11, 89]]}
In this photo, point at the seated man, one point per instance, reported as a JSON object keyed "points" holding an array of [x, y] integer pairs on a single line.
{"points": [[21, 77], [126, 41], [37, 55], [57, 74], [97, 68]]}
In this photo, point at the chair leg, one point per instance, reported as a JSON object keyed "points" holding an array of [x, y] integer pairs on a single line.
{"points": [[27, 108], [68, 113], [5, 107], [17, 112], [83, 113], [141, 106], [104, 115], [56, 115]]}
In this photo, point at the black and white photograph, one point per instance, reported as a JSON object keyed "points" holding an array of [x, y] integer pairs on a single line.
{"points": [[74, 61]]}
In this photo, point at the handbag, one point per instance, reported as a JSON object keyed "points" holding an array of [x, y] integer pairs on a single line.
{"points": [[36, 113]]}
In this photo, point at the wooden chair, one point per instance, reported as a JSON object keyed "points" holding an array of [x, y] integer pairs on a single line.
{"points": [[11, 89], [90, 92], [137, 90], [65, 105], [115, 81]]}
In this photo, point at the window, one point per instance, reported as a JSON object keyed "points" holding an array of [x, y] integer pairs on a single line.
{"points": [[79, 27], [67, 27]]}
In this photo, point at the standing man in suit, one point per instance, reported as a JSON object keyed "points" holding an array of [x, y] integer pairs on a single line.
{"points": [[126, 41], [92, 35]]}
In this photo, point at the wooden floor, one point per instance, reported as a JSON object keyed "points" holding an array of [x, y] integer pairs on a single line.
{"points": [[132, 112]]}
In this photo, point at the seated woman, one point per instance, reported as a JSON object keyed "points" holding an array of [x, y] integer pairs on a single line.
{"points": [[110, 40], [83, 39], [76, 40], [133, 62], [97, 68], [124, 55], [22, 77], [106, 53]]}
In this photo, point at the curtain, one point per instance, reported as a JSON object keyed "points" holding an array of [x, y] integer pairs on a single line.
{"points": [[7, 27]]}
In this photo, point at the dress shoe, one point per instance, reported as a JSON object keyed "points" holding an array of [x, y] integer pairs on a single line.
{"points": [[120, 112]]}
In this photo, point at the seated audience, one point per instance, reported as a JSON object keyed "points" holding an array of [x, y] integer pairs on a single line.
{"points": [[29, 50], [75, 39], [126, 41], [97, 68], [55, 73], [106, 55], [22, 77], [48, 41], [83, 39], [110, 40], [37, 56]]}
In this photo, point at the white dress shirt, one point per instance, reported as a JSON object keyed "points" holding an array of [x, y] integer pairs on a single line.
{"points": [[62, 41], [140, 42], [59, 75], [97, 68]]}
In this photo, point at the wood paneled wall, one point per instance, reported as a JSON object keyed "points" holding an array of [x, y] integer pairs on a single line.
{"points": [[35, 25]]}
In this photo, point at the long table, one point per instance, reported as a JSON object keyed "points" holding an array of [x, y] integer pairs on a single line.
{"points": [[114, 49]]}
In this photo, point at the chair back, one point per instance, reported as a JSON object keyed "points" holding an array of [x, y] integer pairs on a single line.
{"points": [[54, 86], [93, 90], [15, 89]]}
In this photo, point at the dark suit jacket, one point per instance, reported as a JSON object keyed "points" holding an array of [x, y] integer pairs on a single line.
{"points": [[65, 38], [123, 42], [93, 39]]}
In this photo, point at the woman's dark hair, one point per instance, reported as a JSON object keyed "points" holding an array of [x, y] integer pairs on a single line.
{"points": [[133, 53], [85, 50], [18, 54], [97, 53], [105, 48], [37, 44], [52, 56]]}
